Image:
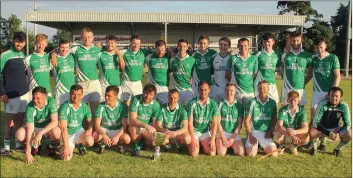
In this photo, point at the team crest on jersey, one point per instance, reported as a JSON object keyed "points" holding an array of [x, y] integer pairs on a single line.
{"points": [[338, 114], [244, 65]]}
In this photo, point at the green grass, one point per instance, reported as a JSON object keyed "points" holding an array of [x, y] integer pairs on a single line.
{"points": [[112, 163]]}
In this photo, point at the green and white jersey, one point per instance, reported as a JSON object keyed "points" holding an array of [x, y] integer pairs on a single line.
{"points": [[74, 117], [202, 115], [134, 63], [219, 69], [112, 118], [109, 73], [86, 62], [172, 120], [261, 113], [38, 68], [41, 117], [243, 72], [230, 114], [203, 66], [182, 70], [64, 73], [323, 74], [146, 113], [292, 121], [295, 66], [267, 66], [158, 69]]}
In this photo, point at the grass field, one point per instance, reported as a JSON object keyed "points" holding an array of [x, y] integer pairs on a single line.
{"points": [[112, 163]]}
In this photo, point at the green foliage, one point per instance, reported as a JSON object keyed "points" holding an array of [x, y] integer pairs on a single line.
{"points": [[319, 28], [298, 8], [61, 35], [4, 32]]}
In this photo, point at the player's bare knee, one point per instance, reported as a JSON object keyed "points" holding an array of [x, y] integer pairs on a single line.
{"points": [[313, 132], [21, 134], [126, 139], [347, 136], [55, 133], [89, 141]]}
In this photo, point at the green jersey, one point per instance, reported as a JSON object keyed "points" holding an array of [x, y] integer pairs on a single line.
{"points": [[146, 113], [112, 118], [158, 69], [134, 63], [74, 117], [323, 74], [41, 117], [267, 66], [295, 66], [172, 120], [64, 73], [38, 68], [203, 66], [182, 70], [202, 115], [109, 73], [86, 62], [292, 121], [261, 113], [230, 114], [243, 71]]}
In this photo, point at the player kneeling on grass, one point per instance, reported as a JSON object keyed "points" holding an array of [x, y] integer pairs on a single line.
{"points": [[111, 121], [326, 121], [143, 111], [173, 122], [292, 127], [260, 121], [203, 117], [71, 115], [228, 129], [41, 119]]}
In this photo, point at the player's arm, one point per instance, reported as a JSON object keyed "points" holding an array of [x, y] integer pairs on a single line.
{"points": [[158, 123], [304, 126], [228, 74], [52, 124], [309, 73], [121, 59], [97, 126], [220, 130], [29, 133], [269, 133], [64, 134], [247, 124], [135, 122], [215, 120], [88, 118], [238, 128], [337, 79], [346, 119], [256, 68], [280, 128]]}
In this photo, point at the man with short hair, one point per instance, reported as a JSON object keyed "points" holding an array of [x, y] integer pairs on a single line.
{"points": [[41, 120], [326, 121], [182, 68], [71, 115], [143, 112], [203, 120], [14, 88], [228, 130], [111, 127], [244, 66], [260, 122], [173, 122]]}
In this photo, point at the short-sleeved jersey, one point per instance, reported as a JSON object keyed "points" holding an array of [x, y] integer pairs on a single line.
{"points": [[64, 73], [182, 71], [243, 72], [172, 120], [292, 121], [295, 66], [261, 113], [158, 69], [38, 68], [112, 118], [109, 73], [203, 66], [230, 113], [146, 113], [74, 117], [41, 117], [323, 74], [86, 62], [134, 63], [267, 66], [219, 69], [202, 115]]}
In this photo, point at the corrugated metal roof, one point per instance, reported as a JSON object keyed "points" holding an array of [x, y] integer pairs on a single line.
{"points": [[53, 16]]}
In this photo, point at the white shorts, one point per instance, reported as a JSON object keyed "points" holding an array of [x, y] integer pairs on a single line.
{"points": [[111, 133], [317, 97], [244, 98], [103, 87], [162, 94], [130, 89], [19, 104], [228, 135], [201, 136], [217, 93], [185, 96], [73, 139], [260, 136], [272, 93], [92, 90], [61, 98], [302, 96]]}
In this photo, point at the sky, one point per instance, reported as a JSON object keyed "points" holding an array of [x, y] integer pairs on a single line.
{"points": [[327, 8]]}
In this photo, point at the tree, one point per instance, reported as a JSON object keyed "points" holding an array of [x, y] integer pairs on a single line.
{"points": [[299, 8], [4, 32], [30, 42], [319, 28], [61, 34], [14, 24]]}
